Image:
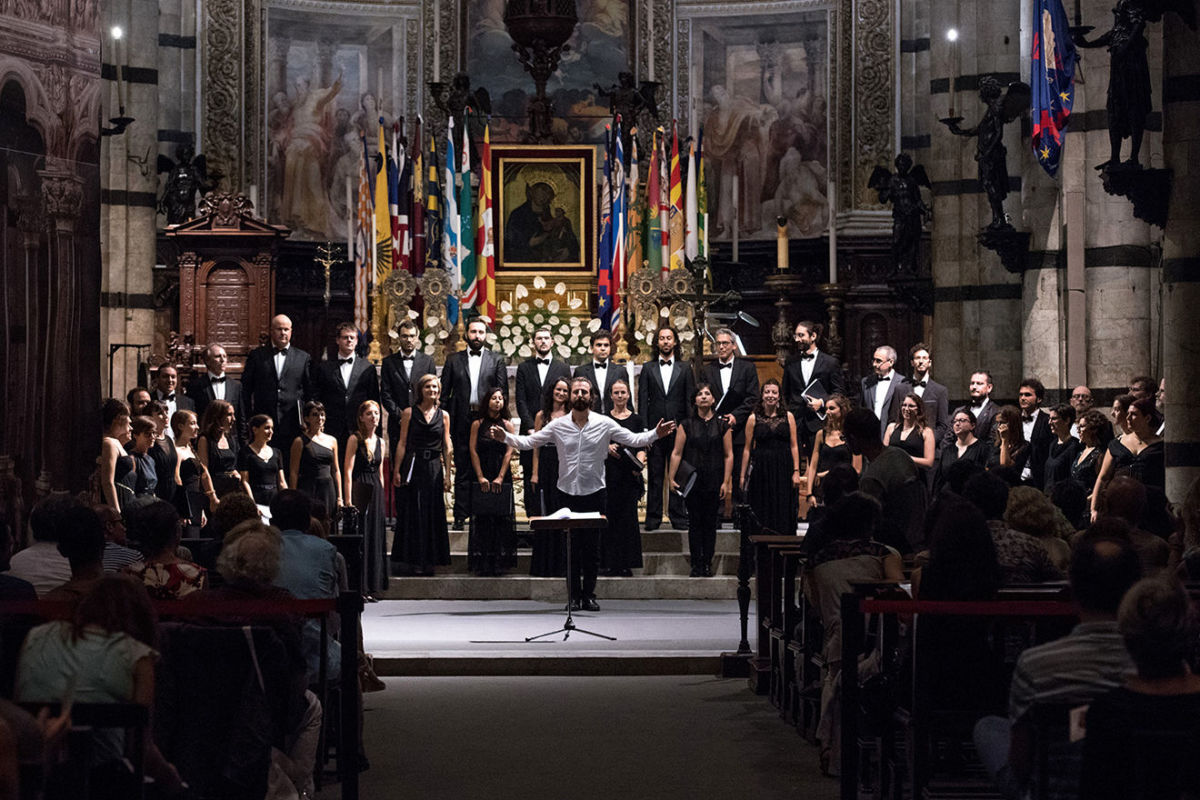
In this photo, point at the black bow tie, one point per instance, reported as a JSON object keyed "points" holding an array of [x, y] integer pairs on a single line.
{"points": [[1027, 418], [545, 361], [344, 361], [725, 366], [281, 351], [921, 383], [170, 398], [807, 356], [217, 380], [664, 363], [885, 379], [406, 358], [600, 364], [474, 353]]}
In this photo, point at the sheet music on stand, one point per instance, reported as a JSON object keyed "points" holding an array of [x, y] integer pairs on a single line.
{"points": [[816, 391]]}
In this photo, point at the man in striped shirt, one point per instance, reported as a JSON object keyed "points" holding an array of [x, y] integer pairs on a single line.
{"points": [[1073, 670]]}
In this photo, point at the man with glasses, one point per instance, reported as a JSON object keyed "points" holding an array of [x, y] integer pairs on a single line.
{"points": [[116, 555], [809, 364], [883, 391], [734, 382]]}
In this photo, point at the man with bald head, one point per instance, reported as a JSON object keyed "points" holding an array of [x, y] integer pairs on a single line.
{"points": [[276, 382]]}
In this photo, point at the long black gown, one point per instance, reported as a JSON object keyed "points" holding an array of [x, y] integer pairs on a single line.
{"points": [[621, 541], [1084, 471], [769, 485], [492, 538], [222, 465], [315, 475], [264, 475], [913, 444], [704, 450], [164, 454], [190, 500], [1148, 465], [422, 539], [549, 558], [366, 494]]}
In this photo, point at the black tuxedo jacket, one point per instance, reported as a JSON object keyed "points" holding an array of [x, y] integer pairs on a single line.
{"points": [[669, 403], [341, 400], [897, 388], [529, 387], [1039, 447], [600, 398], [456, 388], [201, 394], [742, 394], [396, 390], [827, 370], [937, 409], [182, 401], [281, 398]]}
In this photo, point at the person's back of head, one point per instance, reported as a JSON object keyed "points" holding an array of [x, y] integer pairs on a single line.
{"points": [[837, 483], [1102, 570], [250, 555], [156, 527], [1124, 497], [987, 493], [962, 556], [233, 511], [1029, 511], [1156, 516], [862, 426], [958, 473], [855, 516], [1071, 499], [1158, 624], [291, 510], [117, 604], [81, 540], [46, 518]]}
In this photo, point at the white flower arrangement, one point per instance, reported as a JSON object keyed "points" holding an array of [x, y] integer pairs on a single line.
{"points": [[518, 324]]}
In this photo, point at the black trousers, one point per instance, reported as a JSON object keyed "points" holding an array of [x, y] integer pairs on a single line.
{"points": [[464, 476], [585, 544], [703, 515], [657, 458]]}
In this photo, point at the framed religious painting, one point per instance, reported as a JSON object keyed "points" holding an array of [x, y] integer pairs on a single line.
{"points": [[545, 209]]}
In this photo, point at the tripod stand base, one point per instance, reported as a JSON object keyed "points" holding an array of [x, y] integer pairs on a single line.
{"points": [[567, 628]]}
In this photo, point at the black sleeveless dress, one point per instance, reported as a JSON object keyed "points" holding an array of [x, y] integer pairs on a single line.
{"points": [[163, 453], [422, 539], [914, 445], [222, 465], [190, 500], [366, 495], [549, 557], [264, 475], [492, 538], [315, 476], [835, 455], [769, 486], [621, 541]]}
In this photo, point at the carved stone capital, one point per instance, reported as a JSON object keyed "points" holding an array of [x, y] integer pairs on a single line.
{"points": [[62, 197]]}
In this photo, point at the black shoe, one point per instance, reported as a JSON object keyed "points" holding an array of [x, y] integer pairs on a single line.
{"points": [[460, 524], [708, 573], [651, 526], [697, 572], [625, 573], [591, 605], [576, 604]]}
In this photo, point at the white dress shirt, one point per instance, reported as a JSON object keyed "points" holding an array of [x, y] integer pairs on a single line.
{"points": [[601, 375], [726, 374], [279, 359], [218, 387], [665, 370], [543, 367], [918, 386], [807, 365], [346, 369], [1027, 427], [882, 386], [474, 363], [581, 451], [406, 363]]}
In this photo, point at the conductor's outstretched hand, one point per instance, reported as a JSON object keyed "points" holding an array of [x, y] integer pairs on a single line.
{"points": [[497, 433], [664, 428]]}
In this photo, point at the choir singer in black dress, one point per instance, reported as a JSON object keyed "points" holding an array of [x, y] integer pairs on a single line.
{"points": [[621, 544], [705, 442]]}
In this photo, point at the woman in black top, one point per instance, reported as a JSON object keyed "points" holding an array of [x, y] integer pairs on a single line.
{"points": [[964, 447], [911, 434], [1063, 449], [195, 495], [706, 443], [492, 539], [162, 452], [113, 460], [1087, 461], [1010, 451], [217, 448], [422, 471], [314, 464], [260, 464], [621, 543], [362, 487]]}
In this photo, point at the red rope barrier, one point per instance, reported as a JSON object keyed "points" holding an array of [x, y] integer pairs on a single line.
{"points": [[185, 608], [978, 608]]}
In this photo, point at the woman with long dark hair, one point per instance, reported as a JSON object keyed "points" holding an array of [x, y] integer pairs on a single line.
{"points": [[217, 448], [1124, 455], [260, 464], [1086, 465], [492, 539], [362, 475], [314, 460], [771, 463], [422, 472], [621, 544], [911, 434], [706, 443], [549, 559], [162, 451], [829, 447], [1010, 451], [113, 461]]}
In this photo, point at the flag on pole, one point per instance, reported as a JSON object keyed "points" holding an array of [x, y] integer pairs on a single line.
{"points": [[363, 263], [619, 211], [653, 202], [395, 157], [702, 197], [1052, 73], [691, 247], [383, 219], [433, 208], [485, 259], [466, 238], [604, 273], [664, 207], [636, 224], [675, 219], [418, 203], [452, 227], [403, 246]]}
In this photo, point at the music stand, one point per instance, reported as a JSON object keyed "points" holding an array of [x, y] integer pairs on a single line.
{"points": [[567, 525]]}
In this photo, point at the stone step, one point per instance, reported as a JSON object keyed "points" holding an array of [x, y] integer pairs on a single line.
{"points": [[523, 587], [677, 564], [663, 540]]}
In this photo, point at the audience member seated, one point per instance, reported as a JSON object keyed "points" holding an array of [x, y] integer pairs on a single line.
{"points": [[1185, 542], [838, 482], [1070, 497], [233, 511], [33, 745], [1125, 498], [106, 652], [82, 544], [852, 555], [891, 477], [40, 563], [1075, 669], [165, 575], [117, 556], [1022, 558], [1143, 737], [1029, 511], [249, 567]]}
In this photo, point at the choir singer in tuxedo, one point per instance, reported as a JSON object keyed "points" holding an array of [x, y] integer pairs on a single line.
{"points": [[534, 374], [734, 384], [602, 372], [214, 384], [343, 384], [807, 365], [398, 377], [665, 389], [582, 440], [276, 382]]}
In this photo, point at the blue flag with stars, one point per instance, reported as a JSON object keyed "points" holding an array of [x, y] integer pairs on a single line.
{"points": [[1052, 76]]}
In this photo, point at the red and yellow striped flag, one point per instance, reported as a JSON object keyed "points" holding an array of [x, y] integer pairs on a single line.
{"points": [[676, 195], [485, 260]]}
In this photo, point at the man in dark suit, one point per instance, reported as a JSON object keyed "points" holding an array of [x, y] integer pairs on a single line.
{"points": [[602, 372], [932, 393], [344, 383], [276, 382], [166, 385], [399, 374], [883, 390], [809, 364], [734, 383], [981, 405], [665, 389], [1035, 424], [468, 376], [214, 384], [534, 374]]}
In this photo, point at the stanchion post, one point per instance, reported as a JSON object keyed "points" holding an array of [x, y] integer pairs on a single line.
{"points": [[852, 644], [350, 607]]}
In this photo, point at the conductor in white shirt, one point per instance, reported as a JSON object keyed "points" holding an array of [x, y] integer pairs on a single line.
{"points": [[583, 441]]}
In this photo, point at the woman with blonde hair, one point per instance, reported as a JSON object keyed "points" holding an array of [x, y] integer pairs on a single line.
{"points": [[423, 472], [362, 475]]}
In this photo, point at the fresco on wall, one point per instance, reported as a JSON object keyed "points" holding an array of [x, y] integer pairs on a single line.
{"points": [[763, 81], [600, 49], [325, 75]]}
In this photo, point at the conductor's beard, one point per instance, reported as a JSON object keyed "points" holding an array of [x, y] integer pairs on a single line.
{"points": [[579, 404]]}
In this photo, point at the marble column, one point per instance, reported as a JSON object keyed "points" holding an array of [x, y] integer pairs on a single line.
{"points": [[1181, 255]]}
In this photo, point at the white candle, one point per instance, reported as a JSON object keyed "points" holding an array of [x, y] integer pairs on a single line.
{"points": [[350, 219], [437, 37], [952, 37], [831, 192], [379, 88], [253, 196], [650, 27], [735, 218]]}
